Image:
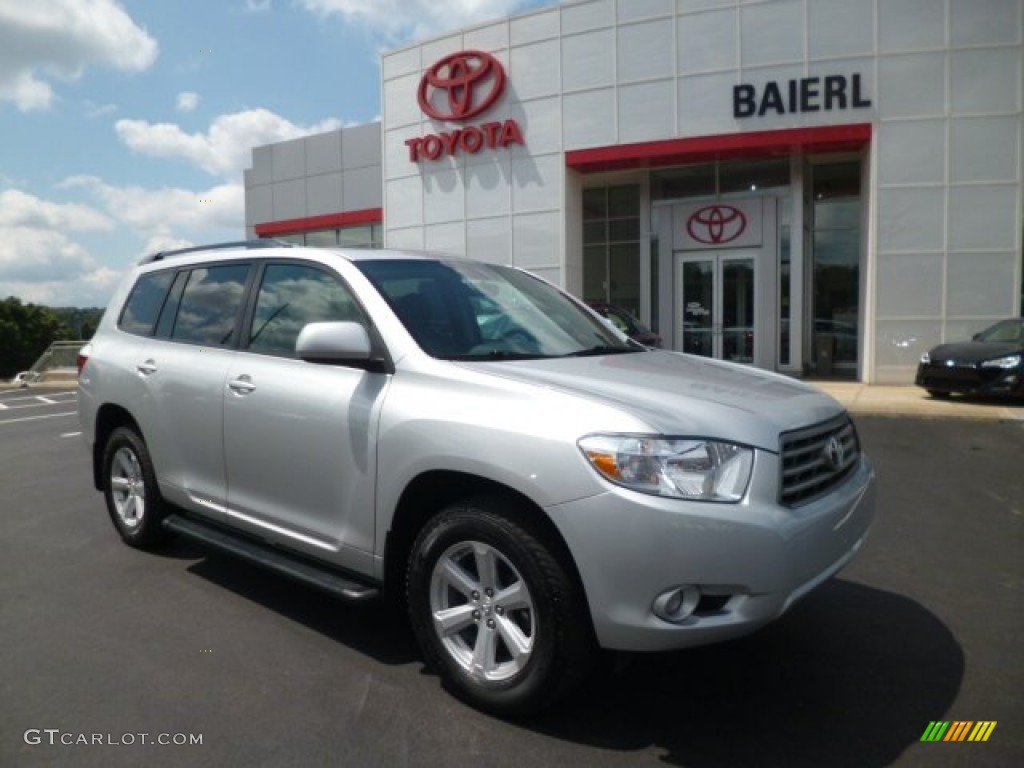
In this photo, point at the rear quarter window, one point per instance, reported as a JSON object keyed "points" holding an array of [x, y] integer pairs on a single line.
{"points": [[208, 312], [144, 303]]}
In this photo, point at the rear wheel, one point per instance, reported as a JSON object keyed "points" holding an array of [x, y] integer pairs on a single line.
{"points": [[130, 489], [938, 394], [494, 611]]}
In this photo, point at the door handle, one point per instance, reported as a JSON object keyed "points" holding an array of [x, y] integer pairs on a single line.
{"points": [[242, 385], [146, 368]]}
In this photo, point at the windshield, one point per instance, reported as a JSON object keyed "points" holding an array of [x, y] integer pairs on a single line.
{"points": [[1007, 331], [472, 311]]}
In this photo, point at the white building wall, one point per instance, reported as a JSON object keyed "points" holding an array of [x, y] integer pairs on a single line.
{"points": [[944, 195], [327, 173], [948, 197]]}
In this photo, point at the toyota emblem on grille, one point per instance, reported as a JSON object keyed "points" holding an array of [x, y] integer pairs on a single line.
{"points": [[834, 454], [471, 81]]}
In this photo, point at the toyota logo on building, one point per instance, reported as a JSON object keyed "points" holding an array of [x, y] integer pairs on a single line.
{"points": [[716, 224], [461, 85]]}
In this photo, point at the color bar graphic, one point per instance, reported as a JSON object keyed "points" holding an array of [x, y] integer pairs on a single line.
{"points": [[959, 730], [982, 730]]}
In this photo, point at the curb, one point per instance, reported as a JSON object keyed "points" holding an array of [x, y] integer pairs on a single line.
{"points": [[911, 402]]}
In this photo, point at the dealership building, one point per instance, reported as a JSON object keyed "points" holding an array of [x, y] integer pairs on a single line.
{"points": [[817, 187]]}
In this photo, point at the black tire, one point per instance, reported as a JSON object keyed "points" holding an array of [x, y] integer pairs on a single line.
{"points": [[556, 625], [130, 489], [938, 394]]}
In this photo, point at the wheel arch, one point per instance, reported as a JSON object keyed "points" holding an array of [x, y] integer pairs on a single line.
{"points": [[108, 418], [430, 492]]}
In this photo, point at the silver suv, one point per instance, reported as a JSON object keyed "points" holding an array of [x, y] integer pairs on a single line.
{"points": [[469, 439]]}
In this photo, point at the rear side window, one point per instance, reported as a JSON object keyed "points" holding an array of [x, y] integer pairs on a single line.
{"points": [[209, 307], [144, 303], [292, 295]]}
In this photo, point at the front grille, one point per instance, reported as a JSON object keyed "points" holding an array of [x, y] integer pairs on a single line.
{"points": [[967, 376], [812, 462]]}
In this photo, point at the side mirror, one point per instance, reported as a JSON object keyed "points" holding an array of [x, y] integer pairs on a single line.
{"points": [[334, 343]]}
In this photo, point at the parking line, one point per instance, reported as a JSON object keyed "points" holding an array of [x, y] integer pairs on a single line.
{"points": [[36, 418], [46, 400], [71, 434]]}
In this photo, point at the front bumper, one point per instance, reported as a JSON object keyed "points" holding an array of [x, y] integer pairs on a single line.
{"points": [[970, 379], [751, 561]]}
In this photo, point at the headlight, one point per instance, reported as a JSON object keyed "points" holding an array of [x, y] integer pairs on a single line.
{"points": [[926, 358], [1010, 361], [704, 470]]}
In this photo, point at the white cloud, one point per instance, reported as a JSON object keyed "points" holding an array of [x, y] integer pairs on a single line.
{"points": [[20, 209], [39, 258], [27, 93], [415, 18], [94, 110], [61, 38], [168, 211], [188, 101], [32, 254], [225, 148], [46, 267], [257, 5]]}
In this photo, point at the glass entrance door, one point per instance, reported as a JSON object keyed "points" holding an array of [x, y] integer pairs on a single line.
{"points": [[715, 305]]}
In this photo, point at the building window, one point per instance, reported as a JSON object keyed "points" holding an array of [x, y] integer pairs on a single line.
{"points": [[836, 255], [741, 177], [355, 236], [611, 246]]}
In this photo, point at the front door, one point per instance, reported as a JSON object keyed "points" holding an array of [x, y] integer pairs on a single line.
{"points": [[715, 304]]}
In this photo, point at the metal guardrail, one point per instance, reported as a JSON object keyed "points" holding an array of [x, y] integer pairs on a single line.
{"points": [[60, 355]]}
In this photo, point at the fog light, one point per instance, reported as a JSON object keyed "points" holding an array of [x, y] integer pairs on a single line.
{"points": [[676, 604]]}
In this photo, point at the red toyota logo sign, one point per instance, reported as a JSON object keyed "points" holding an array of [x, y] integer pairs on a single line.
{"points": [[716, 224], [461, 85]]}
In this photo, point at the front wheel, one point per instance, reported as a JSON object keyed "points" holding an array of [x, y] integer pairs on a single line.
{"points": [[130, 489], [495, 611], [938, 394]]}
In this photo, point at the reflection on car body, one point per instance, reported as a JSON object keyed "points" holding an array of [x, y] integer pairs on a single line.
{"points": [[627, 322]]}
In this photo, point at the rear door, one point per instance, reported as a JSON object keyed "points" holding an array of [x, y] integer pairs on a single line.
{"points": [[184, 369], [300, 438]]}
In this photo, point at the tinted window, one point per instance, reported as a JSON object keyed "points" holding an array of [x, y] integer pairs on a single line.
{"points": [[470, 311], [1006, 331], [209, 306], [170, 310], [143, 306], [292, 295]]}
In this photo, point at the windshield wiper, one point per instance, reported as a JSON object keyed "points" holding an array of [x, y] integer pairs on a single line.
{"points": [[498, 354], [602, 349]]}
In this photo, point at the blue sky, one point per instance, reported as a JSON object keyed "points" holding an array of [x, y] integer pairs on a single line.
{"points": [[125, 125]]}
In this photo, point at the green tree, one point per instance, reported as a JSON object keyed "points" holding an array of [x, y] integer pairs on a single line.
{"points": [[26, 330]]}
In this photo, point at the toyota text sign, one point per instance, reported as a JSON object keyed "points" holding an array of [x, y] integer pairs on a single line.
{"points": [[457, 88]]}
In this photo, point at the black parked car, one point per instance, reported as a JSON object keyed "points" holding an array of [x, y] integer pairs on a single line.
{"points": [[992, 363]]}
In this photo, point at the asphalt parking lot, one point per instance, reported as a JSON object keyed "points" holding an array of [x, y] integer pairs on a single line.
{"points": [[97, 639]]}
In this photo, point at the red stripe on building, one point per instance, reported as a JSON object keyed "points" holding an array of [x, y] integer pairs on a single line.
{"points": [[730, 146], [326, 221]]}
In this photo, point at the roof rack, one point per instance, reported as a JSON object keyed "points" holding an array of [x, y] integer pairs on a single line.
{"points": [[267, 242]]}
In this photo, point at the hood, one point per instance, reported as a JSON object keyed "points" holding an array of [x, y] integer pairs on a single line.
{"points": [[681, 395], [973, 351]]}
